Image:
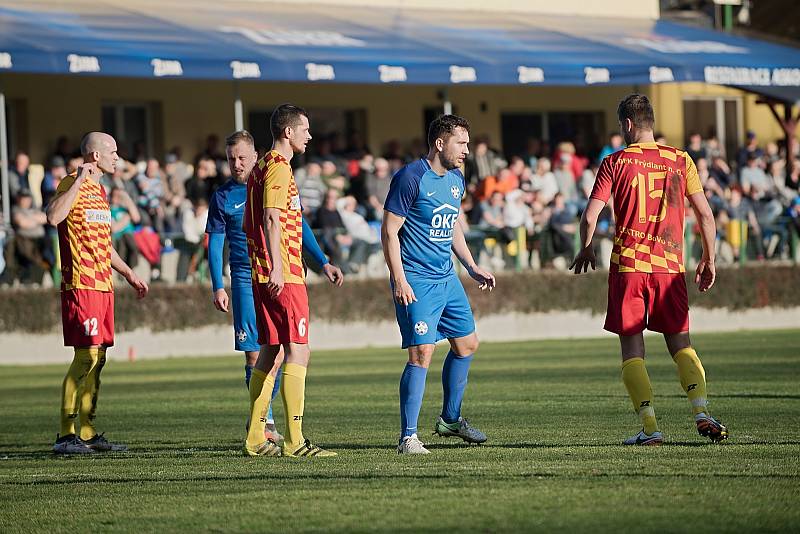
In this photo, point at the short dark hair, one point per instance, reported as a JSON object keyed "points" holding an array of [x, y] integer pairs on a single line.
{"points": [[444, 127], [638, 109], [284, 116], [241, 135]]}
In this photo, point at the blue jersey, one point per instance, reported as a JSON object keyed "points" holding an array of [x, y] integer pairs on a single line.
{"points": [[430, 204], [225, 214]]}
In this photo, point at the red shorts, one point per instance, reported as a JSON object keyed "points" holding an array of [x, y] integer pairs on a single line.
{"points": [[656, 301], [87, 317], [281, 320]]}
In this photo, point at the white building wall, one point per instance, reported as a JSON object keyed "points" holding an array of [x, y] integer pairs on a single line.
{"points": [[647, 9]]}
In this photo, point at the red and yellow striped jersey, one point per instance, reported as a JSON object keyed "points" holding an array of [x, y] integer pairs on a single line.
{"points": [[271, 185], [84, 238], [649, 183]]}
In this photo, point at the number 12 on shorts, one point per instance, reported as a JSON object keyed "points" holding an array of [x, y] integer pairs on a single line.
{"points": [[90, 326]]}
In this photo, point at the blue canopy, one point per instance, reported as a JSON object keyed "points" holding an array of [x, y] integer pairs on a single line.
{"points": [[233, 40]]}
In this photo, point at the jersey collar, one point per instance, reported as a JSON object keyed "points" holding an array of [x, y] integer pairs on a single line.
{"points": [[645, 145]]}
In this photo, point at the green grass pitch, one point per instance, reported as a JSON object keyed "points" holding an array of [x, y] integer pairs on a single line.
{"points": [[555, 413]]}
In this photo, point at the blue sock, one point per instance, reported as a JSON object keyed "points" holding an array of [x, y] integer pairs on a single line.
{"points": [[275, 390], [248, 372], [412, 388], [454, 382]]}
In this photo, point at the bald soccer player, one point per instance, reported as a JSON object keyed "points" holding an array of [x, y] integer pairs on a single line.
{"points": [[81, 213]]}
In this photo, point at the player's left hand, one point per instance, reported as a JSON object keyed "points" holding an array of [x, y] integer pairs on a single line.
{"points": [[484, 278], [221, 300], [138, 284], [705, 275], [582, 261], [333, 274]]}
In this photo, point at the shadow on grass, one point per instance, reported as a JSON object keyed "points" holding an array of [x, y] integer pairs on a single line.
{"points": [[680, 396], [620, 445], [338, 478]]}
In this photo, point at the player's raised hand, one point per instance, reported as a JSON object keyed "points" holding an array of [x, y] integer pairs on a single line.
{"points": [[705, 275], [583, 260], [138, 284], [221, 300], [403, 294], [87, 170], [334, 274], [484, 278]]}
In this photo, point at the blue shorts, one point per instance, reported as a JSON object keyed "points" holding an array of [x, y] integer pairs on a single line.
{"points": [[442, 311], [245, 331]]}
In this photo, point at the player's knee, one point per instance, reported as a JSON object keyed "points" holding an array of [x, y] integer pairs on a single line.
{"points": [[421, 355], [677, 342], [472, 346], [299, 353], [466, 346]]}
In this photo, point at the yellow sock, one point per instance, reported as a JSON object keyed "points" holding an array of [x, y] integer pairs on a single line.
{"points": [[693, 378], [293, 391], [261, 384], [82, 364], [637, 382], [88, 396]]}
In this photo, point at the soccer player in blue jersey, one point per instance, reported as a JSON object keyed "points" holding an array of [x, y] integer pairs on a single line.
{"points": [[225, 216], [419, 232]]}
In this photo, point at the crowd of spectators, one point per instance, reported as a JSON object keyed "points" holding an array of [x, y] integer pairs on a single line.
{"points": [[519, 211], [542, 194]]}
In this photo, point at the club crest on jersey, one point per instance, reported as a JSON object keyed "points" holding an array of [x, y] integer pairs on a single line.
{"points": [[421, 328], [442, 223], [294, 205], [456, 192], [241, 335]]}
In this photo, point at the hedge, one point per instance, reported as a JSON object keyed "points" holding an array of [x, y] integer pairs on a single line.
{"points": [[187, 306]]}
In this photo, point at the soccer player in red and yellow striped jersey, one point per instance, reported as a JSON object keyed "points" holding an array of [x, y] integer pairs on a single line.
{"points": [[273, 225], [646, 284], [81, 213]]}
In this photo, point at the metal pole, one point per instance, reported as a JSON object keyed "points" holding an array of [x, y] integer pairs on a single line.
{"points": [[728, 9], [238, 113], [4, 160], [743, 236], [447, 106], [522, 247], [788, 124]]}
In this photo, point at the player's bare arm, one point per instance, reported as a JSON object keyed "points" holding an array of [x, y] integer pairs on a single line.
{"points": [[484, 278], [124, 269], [272, 227], [588, 225], [390, 230], [59, 206], [706, 272]]}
